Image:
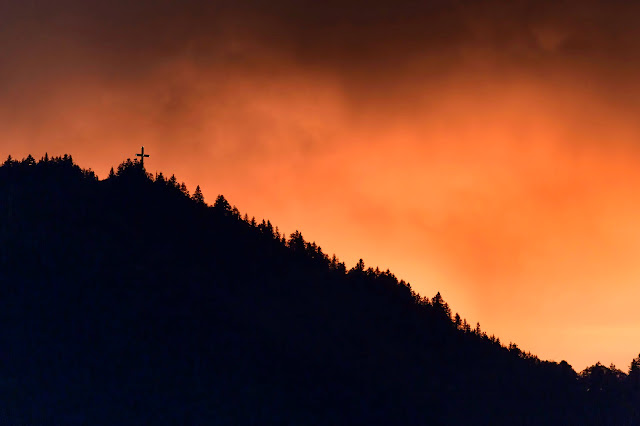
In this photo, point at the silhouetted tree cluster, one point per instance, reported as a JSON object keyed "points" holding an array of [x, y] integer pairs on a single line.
{"points": [[130, 301]]}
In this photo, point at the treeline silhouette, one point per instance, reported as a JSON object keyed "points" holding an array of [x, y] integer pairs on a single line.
{"points": [[130, 301]]}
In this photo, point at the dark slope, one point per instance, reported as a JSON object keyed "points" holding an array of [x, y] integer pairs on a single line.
{"points": [[124, 301]]}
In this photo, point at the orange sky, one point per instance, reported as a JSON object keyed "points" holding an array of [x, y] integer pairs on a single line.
{"points": [[487, 153]]}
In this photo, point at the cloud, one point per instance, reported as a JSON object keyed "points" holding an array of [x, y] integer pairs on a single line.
{"points": [[484, 149], [378, 38]]}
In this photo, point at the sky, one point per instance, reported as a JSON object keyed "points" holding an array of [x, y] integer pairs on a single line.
{"points": [[488, 150]]}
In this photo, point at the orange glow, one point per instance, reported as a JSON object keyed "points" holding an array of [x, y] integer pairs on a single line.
{"points": [[510, 189]]}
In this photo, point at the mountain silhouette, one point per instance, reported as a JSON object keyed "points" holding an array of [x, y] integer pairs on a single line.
{"points": [[129, 301]]}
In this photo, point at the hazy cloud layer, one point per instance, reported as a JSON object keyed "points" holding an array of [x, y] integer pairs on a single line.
{"points": [[485, 149]]}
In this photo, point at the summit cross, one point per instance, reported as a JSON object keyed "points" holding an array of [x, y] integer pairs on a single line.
{"points": [[142, 155]]}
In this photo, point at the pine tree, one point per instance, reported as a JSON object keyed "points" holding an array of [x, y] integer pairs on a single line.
{"points": [[173, 182], [29, 161], [197, 195], [183, 189], [223, 205]]}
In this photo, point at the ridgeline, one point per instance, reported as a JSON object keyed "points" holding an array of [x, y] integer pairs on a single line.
{"points": [[129, 301]]}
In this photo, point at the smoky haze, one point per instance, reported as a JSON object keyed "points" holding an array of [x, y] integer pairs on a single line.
{"points": [[487, 151]]}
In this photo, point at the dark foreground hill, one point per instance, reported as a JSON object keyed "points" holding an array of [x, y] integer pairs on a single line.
{"points": [[126, 301]]}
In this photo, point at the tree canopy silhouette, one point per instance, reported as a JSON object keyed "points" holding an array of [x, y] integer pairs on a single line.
{"points": [[127, 301]]}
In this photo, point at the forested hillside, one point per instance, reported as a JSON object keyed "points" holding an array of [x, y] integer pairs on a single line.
{"points": [[129, 301]]}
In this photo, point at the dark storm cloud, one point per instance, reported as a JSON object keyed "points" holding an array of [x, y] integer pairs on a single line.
{"points": [[163, 59], [343, 36], [376, 51]]}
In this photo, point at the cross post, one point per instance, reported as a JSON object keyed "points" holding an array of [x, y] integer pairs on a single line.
{"points": [[142, 155]]}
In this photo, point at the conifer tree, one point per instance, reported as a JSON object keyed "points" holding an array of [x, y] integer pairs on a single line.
{"points": [[29, 161], [223, 205], [173, 182], [197, 195]]}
